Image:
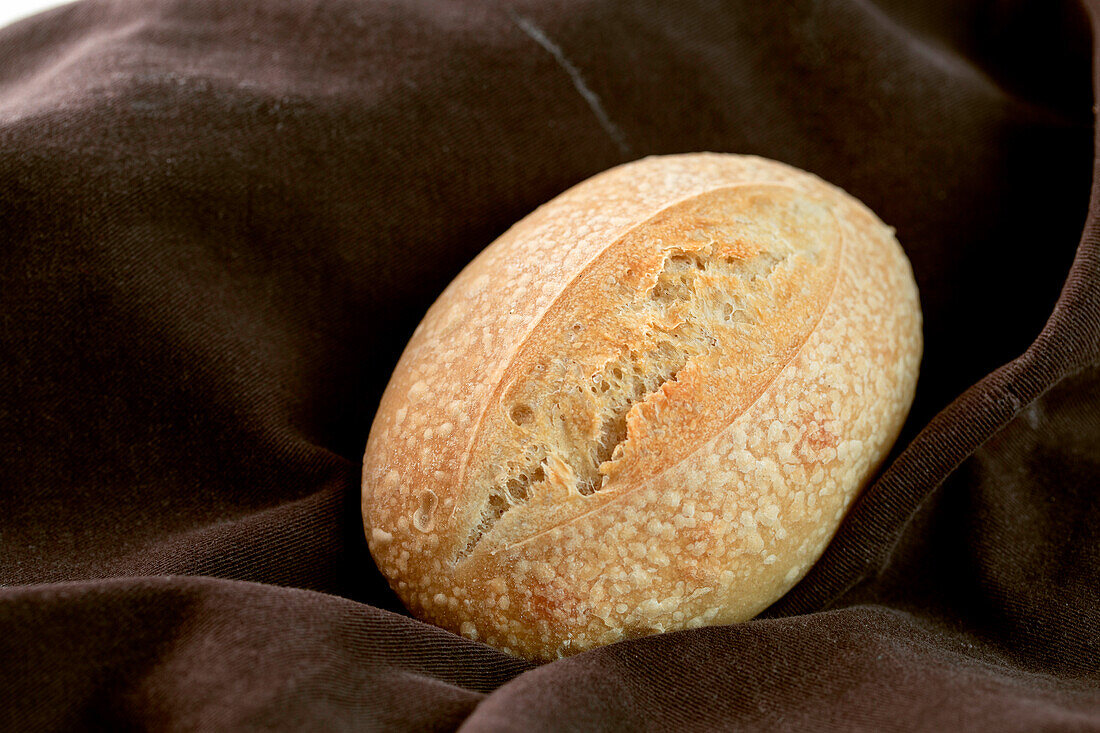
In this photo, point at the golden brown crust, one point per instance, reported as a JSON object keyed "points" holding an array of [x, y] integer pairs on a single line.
{"points": [[645, 407]]}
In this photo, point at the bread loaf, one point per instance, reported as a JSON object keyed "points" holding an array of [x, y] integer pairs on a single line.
{"points": [[645, 407]]}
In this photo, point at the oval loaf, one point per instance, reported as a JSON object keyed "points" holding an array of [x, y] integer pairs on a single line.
{"points": [[645, 407]]}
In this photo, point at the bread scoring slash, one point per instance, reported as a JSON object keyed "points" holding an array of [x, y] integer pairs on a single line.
{"points": [[646, 407]]}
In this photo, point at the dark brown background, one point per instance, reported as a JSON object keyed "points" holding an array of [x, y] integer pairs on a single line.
{"points": [[220, 221]]}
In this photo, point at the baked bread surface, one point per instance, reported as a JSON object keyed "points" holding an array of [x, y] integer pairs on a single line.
{"points": [[645, 407]]}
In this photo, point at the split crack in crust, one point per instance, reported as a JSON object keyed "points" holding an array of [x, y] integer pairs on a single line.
{"points": [[680, 325]]}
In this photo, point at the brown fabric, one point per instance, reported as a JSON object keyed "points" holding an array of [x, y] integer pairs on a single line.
{"points": [[220, 221]]}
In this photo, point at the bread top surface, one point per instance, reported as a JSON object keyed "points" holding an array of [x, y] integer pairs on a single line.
{"points": [[589, 366]]}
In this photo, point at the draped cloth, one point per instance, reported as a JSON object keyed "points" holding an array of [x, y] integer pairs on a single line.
{"points": [[221, 220]]}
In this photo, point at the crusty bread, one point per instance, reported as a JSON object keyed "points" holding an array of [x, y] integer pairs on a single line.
{"points": [[645, 407]]}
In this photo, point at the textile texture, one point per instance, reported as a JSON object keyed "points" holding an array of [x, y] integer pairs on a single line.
{"points": [[220, 222]]}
